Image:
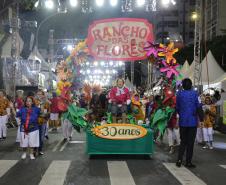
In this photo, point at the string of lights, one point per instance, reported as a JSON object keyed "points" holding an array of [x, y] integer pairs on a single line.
{"points": [[89, 6]]}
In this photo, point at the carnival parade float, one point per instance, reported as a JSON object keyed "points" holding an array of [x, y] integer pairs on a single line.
{"points": [[123, 39]]}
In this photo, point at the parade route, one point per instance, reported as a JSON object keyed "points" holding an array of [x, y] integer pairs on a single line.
{"points": [[67, 164]]}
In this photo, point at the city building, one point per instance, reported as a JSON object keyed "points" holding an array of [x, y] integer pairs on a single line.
{"points": [[173, 22], [215, 18]]}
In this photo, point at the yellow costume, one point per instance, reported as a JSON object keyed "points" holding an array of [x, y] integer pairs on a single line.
{"points": [[137, 108], [209, 116], [45, 110]]}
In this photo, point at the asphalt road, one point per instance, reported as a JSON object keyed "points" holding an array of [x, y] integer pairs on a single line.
{"points": [[66, 163]]}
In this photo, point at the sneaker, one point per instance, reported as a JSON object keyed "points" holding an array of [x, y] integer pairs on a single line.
{"points": [[24, 155], [211, 147], [65, 139], [178, 163], [171, 150], [41, 153], [70, 138], [32, 157], [4, 138], [190, 165], [205, 147]]}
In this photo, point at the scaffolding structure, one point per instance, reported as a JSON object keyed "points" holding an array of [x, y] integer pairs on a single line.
{"points": [[197, 42]]}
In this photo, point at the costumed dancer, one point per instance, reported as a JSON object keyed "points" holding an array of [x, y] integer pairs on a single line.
{"points": [[19, 103], [54, 112], [67, 129], [119, 99], [173, 132], [172, 125], [137, 107], [4, 114], [209, 119], [29, 131], [44, 105], [199, 135], [149, 108], [95, 103]]}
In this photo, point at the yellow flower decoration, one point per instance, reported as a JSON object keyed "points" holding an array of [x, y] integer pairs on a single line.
{"points": [[168, 53]]}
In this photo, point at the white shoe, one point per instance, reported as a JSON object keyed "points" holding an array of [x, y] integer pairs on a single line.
{"points": [[32, 157], [211, 148], [24, 155]]}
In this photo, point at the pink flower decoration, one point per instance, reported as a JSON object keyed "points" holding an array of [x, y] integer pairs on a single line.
{"points": [[169, 70], [152, 49]]}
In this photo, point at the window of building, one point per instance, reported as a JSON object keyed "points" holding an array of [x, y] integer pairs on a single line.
{"points": [[191, 34], [192, 2]]}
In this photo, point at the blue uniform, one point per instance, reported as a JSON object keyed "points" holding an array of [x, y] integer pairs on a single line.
{"points": [[33, 122], [186, 105]]}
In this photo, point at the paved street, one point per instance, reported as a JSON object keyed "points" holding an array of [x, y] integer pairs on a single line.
{"points": [[67, 163]]}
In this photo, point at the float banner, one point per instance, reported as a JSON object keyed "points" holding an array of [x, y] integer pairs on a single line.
{"points": [[119, 38], [119, 131]]}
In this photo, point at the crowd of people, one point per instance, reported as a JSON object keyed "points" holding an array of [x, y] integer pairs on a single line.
{"points": [[193, 118], [33, 114]]}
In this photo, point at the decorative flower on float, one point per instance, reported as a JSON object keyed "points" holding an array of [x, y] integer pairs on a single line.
{"points": [[153, 49], [63, 71], [168, 52], [81, 52], [170, 70]]}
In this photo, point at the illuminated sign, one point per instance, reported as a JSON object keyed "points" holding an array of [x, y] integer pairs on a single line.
{"points": [[119, 38], [119, 131]]}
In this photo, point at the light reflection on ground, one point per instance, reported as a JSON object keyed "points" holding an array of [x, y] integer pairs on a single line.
{"points": [[219, 145]]}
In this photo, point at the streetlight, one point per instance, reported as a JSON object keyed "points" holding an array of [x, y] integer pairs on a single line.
{"points": [[73, 3], [113, 2], [99, 3], [140, 3], [194, 16], [36, 4], [168, 2], [49, 4]]}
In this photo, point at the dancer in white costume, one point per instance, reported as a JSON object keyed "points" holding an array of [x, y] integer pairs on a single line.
{"points": [[4, 111]]}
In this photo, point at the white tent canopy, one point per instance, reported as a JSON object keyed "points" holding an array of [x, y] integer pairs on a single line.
{"points": [[215, 72], [185, 68], [214, 69]]}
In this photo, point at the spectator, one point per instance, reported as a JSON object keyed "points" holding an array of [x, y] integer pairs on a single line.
{"points": [[54, 112], [187, 105]]}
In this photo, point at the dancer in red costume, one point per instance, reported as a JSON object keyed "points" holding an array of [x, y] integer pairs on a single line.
{"points": [[119, 98]]}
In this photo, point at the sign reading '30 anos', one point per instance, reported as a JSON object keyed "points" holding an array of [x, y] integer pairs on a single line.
{"points": [[119, 131]]}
